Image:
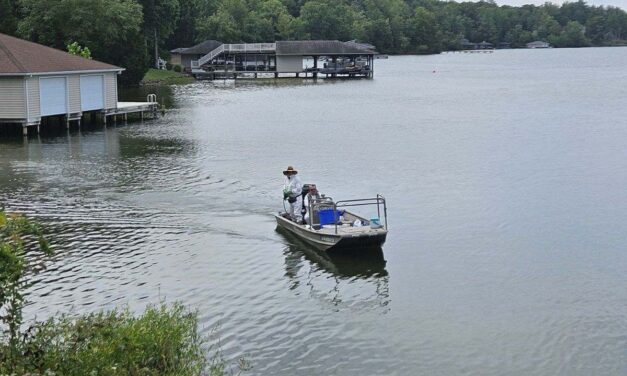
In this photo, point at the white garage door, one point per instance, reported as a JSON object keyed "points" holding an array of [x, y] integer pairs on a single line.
{"points": [[53, 96], [92, 93]]}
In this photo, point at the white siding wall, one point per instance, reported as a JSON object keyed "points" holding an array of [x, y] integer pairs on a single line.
{"points": [[289, 64], [74, 93], [111, 90], [34, 110], [14, 101], [12, 98]]}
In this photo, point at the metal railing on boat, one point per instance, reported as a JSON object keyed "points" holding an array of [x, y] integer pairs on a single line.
{"points": [[327, 202]]}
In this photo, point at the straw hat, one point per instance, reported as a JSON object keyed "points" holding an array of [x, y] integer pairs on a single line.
{"points": [[289, 170]]}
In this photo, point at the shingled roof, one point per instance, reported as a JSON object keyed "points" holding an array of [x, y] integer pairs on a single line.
{"points": [[20, 57], [320, 47], [199, 49]]}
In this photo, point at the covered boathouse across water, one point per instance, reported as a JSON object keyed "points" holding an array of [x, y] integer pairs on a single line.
{"points": [[38, 82], [331, 58]]}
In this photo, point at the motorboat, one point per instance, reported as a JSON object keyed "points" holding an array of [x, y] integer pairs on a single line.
{"points": [[328, 224]]}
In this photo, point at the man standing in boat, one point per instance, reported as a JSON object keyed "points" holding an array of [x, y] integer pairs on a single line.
{"points": [[292, 192]]}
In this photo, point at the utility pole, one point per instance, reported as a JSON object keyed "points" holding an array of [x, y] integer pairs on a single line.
{"points": [[156, 50]]}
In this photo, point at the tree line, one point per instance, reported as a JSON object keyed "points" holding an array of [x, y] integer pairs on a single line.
{"points": [[124, 32]]}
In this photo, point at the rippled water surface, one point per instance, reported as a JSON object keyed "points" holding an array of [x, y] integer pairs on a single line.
{"points": [[506, 179]]}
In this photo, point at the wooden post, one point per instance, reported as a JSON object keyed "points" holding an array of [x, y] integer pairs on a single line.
{"points": [[125, 117], [24, 129], [315, 72]]}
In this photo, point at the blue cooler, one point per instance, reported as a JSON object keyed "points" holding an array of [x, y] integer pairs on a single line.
{"points": [[329, 216]]}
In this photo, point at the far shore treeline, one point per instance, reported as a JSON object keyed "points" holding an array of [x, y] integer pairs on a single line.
{"points": [[123, 32]]}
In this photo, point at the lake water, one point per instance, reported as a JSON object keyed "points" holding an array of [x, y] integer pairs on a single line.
{"points": [[505, 176]]}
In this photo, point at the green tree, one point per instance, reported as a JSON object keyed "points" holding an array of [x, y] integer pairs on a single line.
{"points": [[160, 21], [424, 33], [9, 16], [572, 36], [547, 26], [327, 19], [113, 36], [78, 50], [185, 33], [387, 24], [616, 23], [227, 24], [596, 29], [280, 21]]}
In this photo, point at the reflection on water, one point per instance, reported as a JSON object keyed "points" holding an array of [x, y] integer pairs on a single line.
{"points": [[343, 263], [334, 276]]}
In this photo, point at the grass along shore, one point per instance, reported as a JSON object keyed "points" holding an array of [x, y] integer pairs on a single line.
{"points": [[166, 77]]}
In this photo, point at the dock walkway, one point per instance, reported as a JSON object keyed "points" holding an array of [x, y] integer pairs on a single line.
{"points": [[125, 108], [151, 107]]}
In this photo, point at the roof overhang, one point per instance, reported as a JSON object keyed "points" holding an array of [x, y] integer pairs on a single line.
{"points": [[328, 53], [117, 70]]}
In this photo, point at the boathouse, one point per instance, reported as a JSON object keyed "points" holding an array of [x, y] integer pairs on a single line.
{"points": [[538, 44], [184, 56], [38, 81], [309, 58]]}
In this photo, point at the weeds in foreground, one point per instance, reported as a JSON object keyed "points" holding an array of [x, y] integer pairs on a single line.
{"points": [[164, 340]]}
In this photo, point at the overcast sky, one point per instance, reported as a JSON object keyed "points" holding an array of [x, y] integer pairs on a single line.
{"points": [[616, 3]]}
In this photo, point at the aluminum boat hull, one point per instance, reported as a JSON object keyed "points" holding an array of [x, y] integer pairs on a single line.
{"points": [[326, 240]]}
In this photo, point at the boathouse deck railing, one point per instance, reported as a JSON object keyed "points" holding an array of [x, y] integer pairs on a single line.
{"points": [[241, 47]]}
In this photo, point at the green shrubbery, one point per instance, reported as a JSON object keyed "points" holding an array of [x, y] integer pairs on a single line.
{"points": [[164, 340], [177, 68], [17, 235]]}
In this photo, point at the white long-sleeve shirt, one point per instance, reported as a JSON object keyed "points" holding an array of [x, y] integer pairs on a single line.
{"points": [[293, 184]]}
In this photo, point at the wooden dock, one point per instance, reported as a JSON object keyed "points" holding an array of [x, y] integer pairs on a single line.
{"points": [[485, 51], [122, 109], [235, 75], [125, 108]]}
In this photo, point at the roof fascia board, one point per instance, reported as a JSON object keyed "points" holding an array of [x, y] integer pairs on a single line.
{"points": [[62, 72]]}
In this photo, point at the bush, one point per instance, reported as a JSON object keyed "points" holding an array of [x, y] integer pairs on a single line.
{"points": [[162, 341], [168, 65], [17, 237], [177, 68]]}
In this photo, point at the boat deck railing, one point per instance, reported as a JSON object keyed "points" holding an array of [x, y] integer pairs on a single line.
{"points": [[327, 203]]}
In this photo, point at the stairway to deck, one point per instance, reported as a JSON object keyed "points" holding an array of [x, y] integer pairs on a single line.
{"points": [[235, 48]]}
